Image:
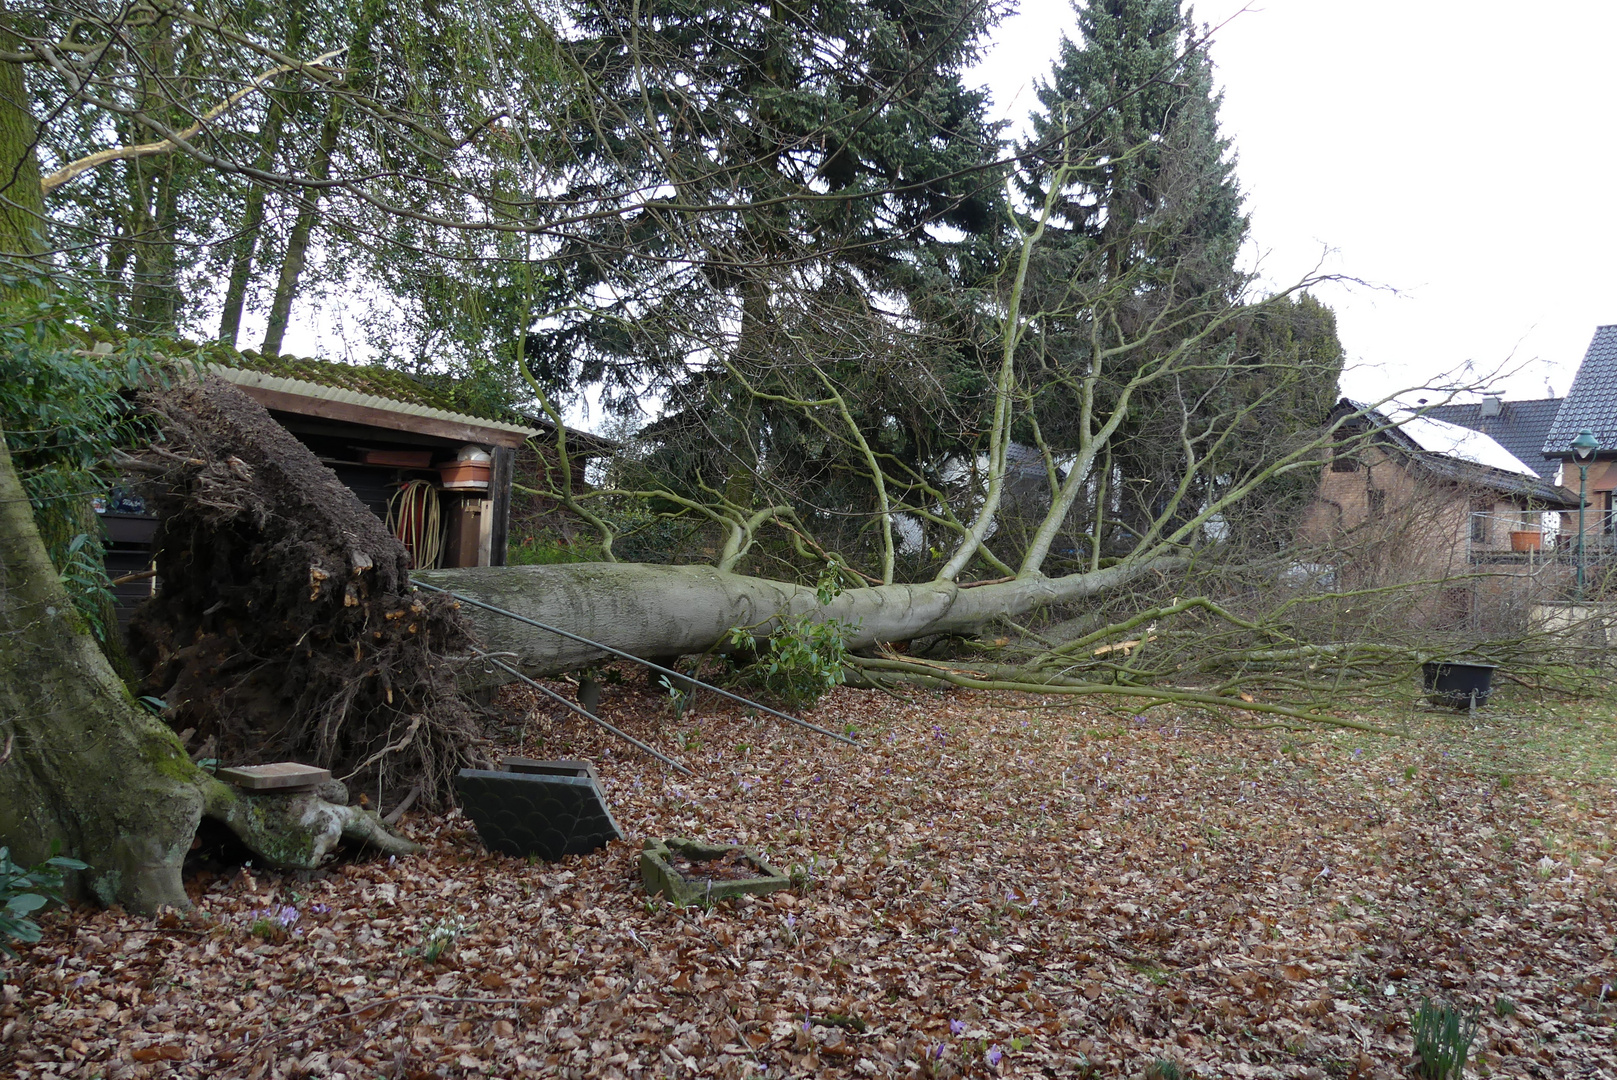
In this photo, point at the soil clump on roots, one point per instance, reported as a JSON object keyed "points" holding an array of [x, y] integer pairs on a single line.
{"points": [[284, 626]]}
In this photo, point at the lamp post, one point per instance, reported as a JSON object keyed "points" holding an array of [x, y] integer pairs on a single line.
{"points": [[1583, 448]]}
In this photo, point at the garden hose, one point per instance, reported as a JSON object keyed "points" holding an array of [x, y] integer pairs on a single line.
{"points": [[413, 515]]}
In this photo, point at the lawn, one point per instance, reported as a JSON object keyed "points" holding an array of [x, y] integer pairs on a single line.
{"points": [[987, 886]]}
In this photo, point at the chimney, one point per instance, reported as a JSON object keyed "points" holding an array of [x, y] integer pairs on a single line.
{"points": [[1491, 405]]}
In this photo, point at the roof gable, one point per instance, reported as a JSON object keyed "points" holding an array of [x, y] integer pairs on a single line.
{"points": [[1456, 453], [1592, 401]]}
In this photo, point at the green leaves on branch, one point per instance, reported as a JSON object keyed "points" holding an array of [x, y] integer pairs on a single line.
{"points": [[806, 656]]}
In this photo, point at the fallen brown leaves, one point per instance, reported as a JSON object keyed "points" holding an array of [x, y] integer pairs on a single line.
{"points": [[985, 889]]}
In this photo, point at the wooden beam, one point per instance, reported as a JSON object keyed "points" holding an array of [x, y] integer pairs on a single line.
{"points": [[370, 416]]}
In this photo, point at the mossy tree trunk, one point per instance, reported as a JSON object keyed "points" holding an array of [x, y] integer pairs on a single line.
{"points": [[90, 770], [83, 767]]}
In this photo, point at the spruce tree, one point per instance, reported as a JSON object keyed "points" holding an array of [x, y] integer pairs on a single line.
{"points": [[1131, 111], [1145, 232], [821, 194]]}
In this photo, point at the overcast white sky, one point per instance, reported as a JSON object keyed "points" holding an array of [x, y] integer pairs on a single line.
{"points": [[1462, 153]]}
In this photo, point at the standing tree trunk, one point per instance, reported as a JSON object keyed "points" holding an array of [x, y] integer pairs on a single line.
{"points": [[90, 769], [246, 247], [297, 244], [252, 217], [82, 765]]}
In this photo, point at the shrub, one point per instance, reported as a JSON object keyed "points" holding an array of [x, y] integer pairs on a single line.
{"points": [[544, 551], [806, 656]]}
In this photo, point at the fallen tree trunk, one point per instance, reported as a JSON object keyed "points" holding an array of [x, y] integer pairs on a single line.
{"points": [[652, 610]]}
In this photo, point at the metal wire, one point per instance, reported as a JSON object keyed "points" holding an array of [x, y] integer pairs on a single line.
{"points": [[625, 736], [636, 659]]}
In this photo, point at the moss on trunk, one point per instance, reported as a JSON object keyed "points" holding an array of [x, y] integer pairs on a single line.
{"points": [[90, 769]]}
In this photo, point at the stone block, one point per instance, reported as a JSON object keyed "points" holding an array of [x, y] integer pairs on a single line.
{"points": [[279, 776]]}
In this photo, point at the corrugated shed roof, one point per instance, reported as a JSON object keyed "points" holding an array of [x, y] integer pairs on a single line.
{"points": [[1520, 427], [371, 380], [1592, 401], [321, 391]]}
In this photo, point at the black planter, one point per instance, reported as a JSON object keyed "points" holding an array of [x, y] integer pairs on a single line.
{"points": [[548, 809], [1457, 685]]}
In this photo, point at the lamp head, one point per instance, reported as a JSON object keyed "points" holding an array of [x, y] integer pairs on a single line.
{"points": [[1585, 445]]}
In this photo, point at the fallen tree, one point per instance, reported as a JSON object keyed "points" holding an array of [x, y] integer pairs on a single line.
{"points": [[653, 611], [284, 628]]}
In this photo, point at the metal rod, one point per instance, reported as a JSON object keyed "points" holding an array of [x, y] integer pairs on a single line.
{"points": [[636, 659], [1583, 499], [625, 736]]}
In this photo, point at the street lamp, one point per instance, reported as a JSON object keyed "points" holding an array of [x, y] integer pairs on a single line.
{"points": [[1583, 449]]}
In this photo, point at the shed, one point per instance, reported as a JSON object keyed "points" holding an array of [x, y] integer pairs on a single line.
{"points": [[385, 436]]}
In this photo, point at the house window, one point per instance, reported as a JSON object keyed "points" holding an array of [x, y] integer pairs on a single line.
{"points": [[1342, 459], [1608, 523], [1377, 502], [1481, 513]]}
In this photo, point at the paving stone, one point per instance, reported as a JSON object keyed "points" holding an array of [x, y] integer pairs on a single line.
{"points": [[278, 776]]}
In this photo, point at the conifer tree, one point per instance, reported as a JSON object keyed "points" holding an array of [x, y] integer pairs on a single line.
{"points": [[1145, 233]]}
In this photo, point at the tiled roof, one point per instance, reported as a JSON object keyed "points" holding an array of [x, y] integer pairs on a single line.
{"points": [[1592, 401], [1543, 493], [1520, 427]]}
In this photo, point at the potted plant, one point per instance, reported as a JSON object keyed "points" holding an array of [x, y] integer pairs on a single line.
{"points": [[1526, 540]]}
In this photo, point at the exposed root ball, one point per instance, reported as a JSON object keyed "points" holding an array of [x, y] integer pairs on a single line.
{"points": [[283, 628]]}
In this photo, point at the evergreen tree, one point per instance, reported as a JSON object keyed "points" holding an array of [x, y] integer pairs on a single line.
{"points": [[820, 198], [1146, 226], [1150, 195]]}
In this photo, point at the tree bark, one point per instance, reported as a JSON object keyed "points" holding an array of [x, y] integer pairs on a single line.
{"points": [[89, 770], [651, 610], [22, 203]]}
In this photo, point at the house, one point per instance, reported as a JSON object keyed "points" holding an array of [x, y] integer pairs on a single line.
{"points": [[1591, 405], [1416, 497]]}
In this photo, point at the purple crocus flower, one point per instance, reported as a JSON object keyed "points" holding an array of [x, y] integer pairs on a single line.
{"points": [[957, 1027], [994, 1054]]}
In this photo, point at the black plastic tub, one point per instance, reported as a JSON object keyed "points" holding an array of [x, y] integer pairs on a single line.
{"points": [[1457, 685]]}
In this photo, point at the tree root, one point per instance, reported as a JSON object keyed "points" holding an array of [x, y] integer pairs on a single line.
{"points": [[298, 831], [285, 628]]}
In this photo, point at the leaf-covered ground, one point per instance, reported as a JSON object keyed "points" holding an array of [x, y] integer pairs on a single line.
{"points": [[986, 887]]}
